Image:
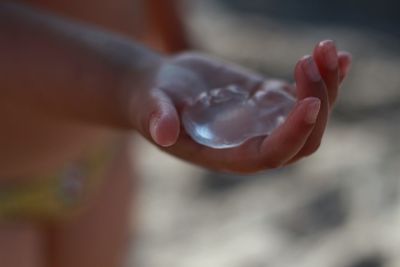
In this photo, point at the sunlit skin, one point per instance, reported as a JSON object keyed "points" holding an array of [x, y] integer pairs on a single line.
{"points": [[51, 113]]}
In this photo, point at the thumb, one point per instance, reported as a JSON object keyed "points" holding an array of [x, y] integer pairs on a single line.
{"points": [[159, 119]]}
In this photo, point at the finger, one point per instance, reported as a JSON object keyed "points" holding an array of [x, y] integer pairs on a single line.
{"points": [[325, 55], [345, 60], [273, 151], [310, 84], [258, 153], [158, 119], [289, 139]]}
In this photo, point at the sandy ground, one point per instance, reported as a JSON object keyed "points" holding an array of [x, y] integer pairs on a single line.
{"points": [[339, 207]]}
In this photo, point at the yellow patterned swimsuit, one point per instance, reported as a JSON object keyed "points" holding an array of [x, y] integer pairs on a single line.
{"points": [[58, 195]]}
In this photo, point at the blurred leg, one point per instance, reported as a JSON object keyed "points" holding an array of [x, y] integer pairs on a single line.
{"points": [[21, 245], [99, 236]]}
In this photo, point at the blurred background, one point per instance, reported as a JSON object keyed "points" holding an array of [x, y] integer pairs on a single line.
{"points": [[340, 207]]}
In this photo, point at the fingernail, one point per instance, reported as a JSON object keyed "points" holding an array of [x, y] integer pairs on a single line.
{"points": [[153, 127], [313, 108], [330, 54], [310, 69]]}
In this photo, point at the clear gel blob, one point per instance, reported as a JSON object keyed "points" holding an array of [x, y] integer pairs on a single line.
{"points": [[227, 117]]}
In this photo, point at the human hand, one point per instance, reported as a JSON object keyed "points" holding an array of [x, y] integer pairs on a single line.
{"points": [[180, 78]]}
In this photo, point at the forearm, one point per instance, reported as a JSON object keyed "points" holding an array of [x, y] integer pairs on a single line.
{"points": [[66, 68]]}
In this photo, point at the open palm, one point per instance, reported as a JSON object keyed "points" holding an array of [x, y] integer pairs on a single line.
{"points": [[317, 77]]}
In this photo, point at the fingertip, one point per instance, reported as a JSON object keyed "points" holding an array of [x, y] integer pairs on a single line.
{"points": [[158, 119], [313, 107], [345, 61], [291, 136], [308, 68], [305, 113], [306, 74], [326, 55], [326, 41], [298, 70], [164, 129], [325, 44], [345, 54]]}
